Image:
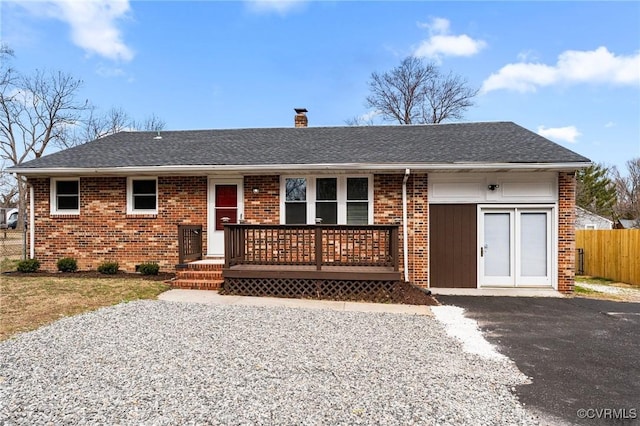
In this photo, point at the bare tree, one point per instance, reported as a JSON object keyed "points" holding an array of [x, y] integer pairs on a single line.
{"points": [[152, 123], [415, 92], [42, 110], [96, 126], [8, 190], [35, 112], [628, 189]]}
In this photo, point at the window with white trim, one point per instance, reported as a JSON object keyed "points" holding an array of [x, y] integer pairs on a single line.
{"points": [[327, 200], [295, 208], [142, 195], [65, 196]]}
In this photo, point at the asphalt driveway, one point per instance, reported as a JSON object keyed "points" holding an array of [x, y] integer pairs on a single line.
{"points": [[581, 354]]}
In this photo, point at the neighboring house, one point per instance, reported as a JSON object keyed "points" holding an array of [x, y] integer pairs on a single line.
{"points": [[627, 224], [589, 220], [448, 205]]}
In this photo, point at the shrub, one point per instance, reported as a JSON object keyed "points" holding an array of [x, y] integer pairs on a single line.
{"points": [[149, 268], [29, 265], [67, 264], [108, 268]]}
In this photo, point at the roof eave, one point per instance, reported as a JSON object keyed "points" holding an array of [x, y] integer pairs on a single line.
{"points": [[288, 168]]}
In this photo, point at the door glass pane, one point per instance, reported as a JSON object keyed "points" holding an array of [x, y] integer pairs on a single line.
{"points": [[296, 189], [533, 244], [326, 189], [497, 248], [226, 196], [357, 189], [357, 213], [295, 213]]}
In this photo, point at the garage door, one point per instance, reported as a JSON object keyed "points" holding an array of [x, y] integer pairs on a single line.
{"points": [[452, 247]]}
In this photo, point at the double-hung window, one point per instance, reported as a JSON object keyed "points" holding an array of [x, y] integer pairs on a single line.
{"points": [[295, 207], [327, 200], [142, 195], [358, 200], [65, 196]]}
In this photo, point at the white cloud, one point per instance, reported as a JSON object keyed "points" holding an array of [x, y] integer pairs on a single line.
{"points": [[442, 43], [560, 134], [572, 67], [610, 124], [93, 24], [281, 7]]}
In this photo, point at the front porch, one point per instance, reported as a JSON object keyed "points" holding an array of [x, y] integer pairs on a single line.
{"points": [[319, 261], [324, 261]]}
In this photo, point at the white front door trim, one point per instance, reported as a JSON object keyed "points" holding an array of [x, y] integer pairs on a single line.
{"points": [[215, 239]]}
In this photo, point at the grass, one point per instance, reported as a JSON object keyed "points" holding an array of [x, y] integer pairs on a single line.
{"points": [[8, 264], [27, 303], [593, 280], [578, 290]]}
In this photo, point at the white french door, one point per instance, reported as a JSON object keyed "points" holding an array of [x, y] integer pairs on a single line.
{"points": [[515, 247], [225, 206]]}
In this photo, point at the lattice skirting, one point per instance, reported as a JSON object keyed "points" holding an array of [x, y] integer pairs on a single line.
{"points": [[310, 289]]}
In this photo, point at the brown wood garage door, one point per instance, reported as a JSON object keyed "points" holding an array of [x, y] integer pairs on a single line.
{"points": [[452, 248]]}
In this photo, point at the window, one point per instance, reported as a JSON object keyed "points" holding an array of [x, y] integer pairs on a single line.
{"points": [[357, 201], [65, 196], [142, 196], [327, 200], [295, 201]]}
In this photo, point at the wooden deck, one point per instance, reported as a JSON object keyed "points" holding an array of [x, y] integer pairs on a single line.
{"points": [[348, 273], [310, 260]]}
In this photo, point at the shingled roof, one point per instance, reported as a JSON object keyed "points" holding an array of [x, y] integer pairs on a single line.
{"points": [[411, 145]]}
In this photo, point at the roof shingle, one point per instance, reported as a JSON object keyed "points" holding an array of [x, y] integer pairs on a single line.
{"points": [[495, 142]]}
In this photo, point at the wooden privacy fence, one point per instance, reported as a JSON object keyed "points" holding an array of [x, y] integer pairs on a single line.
{"points": [[610, 253]]}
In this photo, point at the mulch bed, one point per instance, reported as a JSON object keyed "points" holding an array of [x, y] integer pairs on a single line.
{"points": [[162, 276], [409, 294]]}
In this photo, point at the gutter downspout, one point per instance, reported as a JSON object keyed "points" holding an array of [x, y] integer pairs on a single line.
{"points": [[405, 228], [32, 223]]}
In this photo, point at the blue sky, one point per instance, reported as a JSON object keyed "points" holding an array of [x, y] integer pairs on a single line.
{"points": [[567, 70]]}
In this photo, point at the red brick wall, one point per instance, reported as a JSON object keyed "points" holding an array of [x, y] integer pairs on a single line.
{"points": [[566, 231], [263, 207], [104, 232], [387, 209]]}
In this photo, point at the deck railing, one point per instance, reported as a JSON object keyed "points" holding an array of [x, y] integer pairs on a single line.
{"points": [[319, 245], [189, 243]]}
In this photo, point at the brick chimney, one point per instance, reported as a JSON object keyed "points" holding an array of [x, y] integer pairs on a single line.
{"points": [[300, 119]]}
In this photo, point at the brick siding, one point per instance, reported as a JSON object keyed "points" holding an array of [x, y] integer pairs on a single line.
{"points": [[387, 209], [103, 231], [566, 231]]}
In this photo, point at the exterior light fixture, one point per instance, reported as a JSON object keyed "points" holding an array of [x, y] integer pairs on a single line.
{"points": [[256, 190], [493, 187]]}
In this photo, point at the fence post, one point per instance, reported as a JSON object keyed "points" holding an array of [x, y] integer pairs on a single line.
{"points": [[318, 247]]}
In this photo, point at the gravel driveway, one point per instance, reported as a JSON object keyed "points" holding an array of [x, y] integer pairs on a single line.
{"points": [[155, 362]]}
